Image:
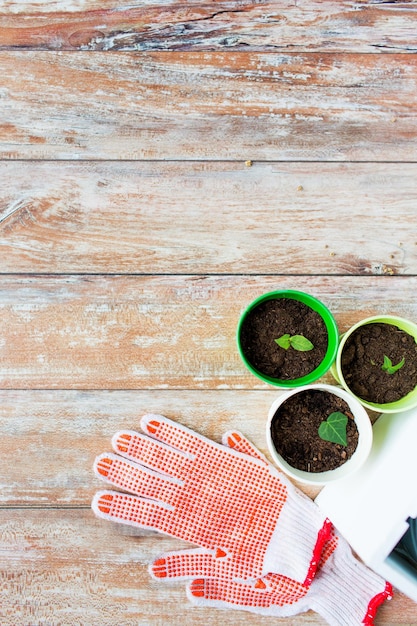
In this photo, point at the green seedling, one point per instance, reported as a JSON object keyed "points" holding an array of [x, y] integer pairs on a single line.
{"points": [[334, 428], [389, 368], [297, 342]]}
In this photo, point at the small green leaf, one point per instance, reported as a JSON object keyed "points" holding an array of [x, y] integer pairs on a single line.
{"points": [[300, 343], [388, 367], [297, 342], [284, 341], [334, 428]]}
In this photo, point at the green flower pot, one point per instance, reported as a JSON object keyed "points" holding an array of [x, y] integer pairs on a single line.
{"points": [[403, 404], [332, 333]]}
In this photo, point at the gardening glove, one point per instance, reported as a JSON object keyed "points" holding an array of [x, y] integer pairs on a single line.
{"points": [[344, 592], [247, 516]]}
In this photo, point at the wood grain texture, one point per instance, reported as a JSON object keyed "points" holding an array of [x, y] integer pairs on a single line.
{"points": [[153, 332], [133, 234], [208, 105], [202, 218], [263, 25]]}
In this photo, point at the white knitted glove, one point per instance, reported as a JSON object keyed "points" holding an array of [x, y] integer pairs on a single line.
{"points": [[248, 517], [344, 591]]}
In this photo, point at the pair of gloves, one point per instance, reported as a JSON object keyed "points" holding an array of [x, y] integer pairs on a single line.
{"points": [[263, 545]]}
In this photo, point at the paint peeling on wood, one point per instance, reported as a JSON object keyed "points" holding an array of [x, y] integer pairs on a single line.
{"points": [[263, 25], [202, 218], [133, 233], [189, 105]]}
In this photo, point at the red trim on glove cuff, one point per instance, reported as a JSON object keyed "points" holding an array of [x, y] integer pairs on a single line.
{"points": [[375, 603], [323, 536]]}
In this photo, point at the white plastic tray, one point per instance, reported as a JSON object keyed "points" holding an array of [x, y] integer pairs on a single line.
{"points": [[371, 507]]}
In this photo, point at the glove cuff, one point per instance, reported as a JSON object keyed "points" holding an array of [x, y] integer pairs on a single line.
{"points": [[298, 540], [346, 592]]}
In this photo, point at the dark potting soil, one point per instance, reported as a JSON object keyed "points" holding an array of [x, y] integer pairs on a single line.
{"points": [[272, 319], [294, 431], [363, 357]]}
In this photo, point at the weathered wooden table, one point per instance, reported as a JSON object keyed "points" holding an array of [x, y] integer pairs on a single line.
{"points": [[162, 164]]}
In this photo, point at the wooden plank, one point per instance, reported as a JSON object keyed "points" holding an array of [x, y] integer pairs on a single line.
{"points": [[59, 434], [65, 567], [161, 332], [198, 218], [208, 105], [362, 26]]}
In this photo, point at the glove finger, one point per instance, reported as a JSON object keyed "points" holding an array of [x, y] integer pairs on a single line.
{"points": [[279, 594], [135, 478], [187, 564], [234, 439], [141, 513], [173, 434], [134, 511], [152, 454]]}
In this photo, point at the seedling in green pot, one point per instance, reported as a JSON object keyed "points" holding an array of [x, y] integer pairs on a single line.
{"points": [[297, 342], [334, 428], [389, 368]]}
